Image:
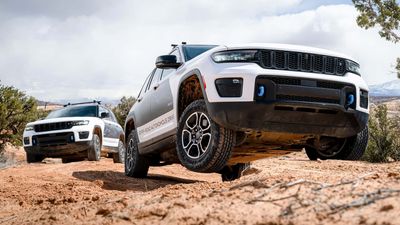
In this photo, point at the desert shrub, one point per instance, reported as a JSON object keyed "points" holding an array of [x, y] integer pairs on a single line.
{"points": [[122, 109], [16, 110], [384, 139]]}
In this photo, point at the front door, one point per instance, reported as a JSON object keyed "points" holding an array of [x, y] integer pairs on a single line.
{"points": [[111, 134]]}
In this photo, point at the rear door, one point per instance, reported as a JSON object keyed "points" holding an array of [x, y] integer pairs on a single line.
{"points": [[143, 115], [162, 107]]}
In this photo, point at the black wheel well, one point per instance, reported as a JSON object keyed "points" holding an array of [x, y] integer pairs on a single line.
{"points": [[130, 125], [122, 138], [189, 91], [97, 130]]}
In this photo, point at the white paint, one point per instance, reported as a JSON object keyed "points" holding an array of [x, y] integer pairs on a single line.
{"points": [[157, 127]]}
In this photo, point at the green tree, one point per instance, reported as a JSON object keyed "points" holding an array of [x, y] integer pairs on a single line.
{"points": [[382, 13], [16, 110], [384, 141], [122, 109]]}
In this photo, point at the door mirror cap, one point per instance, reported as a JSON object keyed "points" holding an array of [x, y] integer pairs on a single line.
{"points": [[104, 115], [167, 61]]}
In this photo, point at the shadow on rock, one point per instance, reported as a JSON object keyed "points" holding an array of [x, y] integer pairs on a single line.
{"points": [[112, 180]]}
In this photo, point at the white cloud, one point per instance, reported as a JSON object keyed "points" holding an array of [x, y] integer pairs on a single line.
{"points": [[108, 49]]}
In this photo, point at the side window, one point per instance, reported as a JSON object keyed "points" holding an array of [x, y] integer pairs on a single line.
{"points": [[143, 89], [148, 82], [166, 73], [112, 116], [104, 110], [155, 78]]}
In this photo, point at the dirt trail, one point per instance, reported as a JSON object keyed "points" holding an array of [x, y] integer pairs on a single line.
{"points": [[284, 190]]}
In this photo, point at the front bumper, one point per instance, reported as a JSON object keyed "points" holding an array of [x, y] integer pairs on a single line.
{"points": [[60, 150], [58, 143], [289, 117]]}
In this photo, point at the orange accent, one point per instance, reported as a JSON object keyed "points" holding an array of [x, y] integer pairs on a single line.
{"points": [[204, 82]]}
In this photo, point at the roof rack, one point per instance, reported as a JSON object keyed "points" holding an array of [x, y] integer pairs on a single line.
{"points": [[81, 103], [174, 45]]}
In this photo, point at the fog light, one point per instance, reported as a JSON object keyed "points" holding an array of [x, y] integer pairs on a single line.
{"points": [[229, 87], [364, 99], [261, 91], [83, 134], [26, 140]]}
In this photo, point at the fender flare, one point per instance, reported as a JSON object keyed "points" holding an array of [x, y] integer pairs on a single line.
{"points": [[101, 132], [199, 76]]}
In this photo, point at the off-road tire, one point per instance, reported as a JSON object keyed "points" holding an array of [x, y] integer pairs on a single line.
{"points": [[218, 150], [353, 150], [94, 151], [34, 158], [230, 173], [136, 165], [120, 156]]}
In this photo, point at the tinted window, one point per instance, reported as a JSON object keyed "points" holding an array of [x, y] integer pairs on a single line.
{"points": [[149, 80], [155, 78], [102, 110], [110, 116], [192, 51], [113, 118], [166, 73], [144, 85], [74, 111]]}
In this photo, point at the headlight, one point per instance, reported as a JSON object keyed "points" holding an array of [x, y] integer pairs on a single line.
{"points": [[29, 128], [80, 122], [235, 56], [352, 67]]}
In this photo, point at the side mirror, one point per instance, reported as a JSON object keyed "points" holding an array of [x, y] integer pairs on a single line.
{"points": [[104, 115], [167, 61]]}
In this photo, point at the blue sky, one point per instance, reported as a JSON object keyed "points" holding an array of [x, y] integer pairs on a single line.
{"points": [[55, 49]]}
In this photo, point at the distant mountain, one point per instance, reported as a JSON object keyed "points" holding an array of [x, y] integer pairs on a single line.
{"points": [[44, 103], [391, 88]]}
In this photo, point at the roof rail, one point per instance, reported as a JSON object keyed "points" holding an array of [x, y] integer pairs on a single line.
{"points": [[81, 103]]}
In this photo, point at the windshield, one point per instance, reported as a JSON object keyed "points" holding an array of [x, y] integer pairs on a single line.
{"points": [[74, 111], [192, 51]]}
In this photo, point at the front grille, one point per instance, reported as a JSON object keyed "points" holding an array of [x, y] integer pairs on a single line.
{"points": [[53, 126], [56, 139], [305, 62], [307, 99], [291, 89], [297, 82]]}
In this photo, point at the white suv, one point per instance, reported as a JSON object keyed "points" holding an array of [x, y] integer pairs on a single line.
{"points": [[75, 132], [216, 108]]}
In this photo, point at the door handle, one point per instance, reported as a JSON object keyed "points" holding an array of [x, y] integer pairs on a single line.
{"points": [[156, 86]]}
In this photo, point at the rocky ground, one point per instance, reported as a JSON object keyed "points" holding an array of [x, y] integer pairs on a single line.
{"points": [[284, 190]]}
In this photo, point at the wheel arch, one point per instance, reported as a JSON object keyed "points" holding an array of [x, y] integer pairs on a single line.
{"points": [[194, 77], [97, 130], [129, 126]]}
